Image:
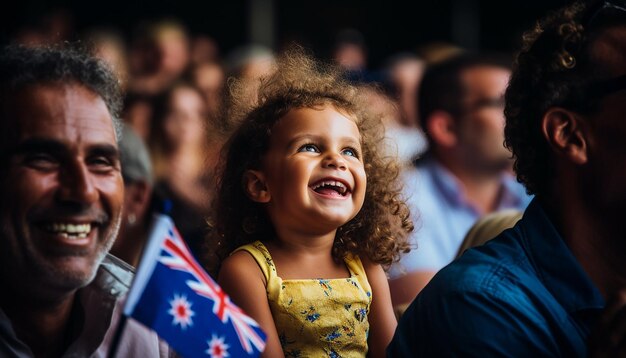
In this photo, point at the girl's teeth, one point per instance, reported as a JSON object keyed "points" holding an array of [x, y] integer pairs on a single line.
{"points": [[338, 186]]}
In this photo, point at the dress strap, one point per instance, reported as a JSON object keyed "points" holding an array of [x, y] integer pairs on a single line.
{"points": [[354, 264], [262, 257]]}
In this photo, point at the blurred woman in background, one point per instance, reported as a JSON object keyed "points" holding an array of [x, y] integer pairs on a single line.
{"points": [[179, 146]]}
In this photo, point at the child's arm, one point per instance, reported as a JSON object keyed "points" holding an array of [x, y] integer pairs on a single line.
{"points": [[243, 281], [381, 318]]}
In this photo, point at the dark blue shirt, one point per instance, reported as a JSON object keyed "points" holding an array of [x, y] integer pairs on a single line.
{"points": [[522, 294]]}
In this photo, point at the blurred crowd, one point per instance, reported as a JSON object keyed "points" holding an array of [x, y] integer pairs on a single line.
{"points": [[175, 84], [452, 117]]}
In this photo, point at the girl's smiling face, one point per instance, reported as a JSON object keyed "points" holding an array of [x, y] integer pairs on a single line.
{"points": [[312, 177]]}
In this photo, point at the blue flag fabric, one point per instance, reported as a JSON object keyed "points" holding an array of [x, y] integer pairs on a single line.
{"points": [[175, 297]]}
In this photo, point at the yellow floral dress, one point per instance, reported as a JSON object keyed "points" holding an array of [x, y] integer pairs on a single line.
{"points": [[318, 317]]}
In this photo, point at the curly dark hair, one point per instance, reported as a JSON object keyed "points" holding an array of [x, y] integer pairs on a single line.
{"points": [[553, 68], [21, 66], [379, 231]]}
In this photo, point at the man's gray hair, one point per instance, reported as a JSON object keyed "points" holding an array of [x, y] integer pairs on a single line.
{"points": [[21, 66]]}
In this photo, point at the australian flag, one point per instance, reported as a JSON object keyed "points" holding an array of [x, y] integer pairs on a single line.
{"points": [[174, 296]]}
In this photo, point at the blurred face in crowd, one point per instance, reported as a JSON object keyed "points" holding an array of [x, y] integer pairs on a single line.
{"points": [[406, 76], [407, 73], [111, 50], [480, 130], [351, 57], [209, 78], [184, 122], [203, 49], [173, 48], [257, 68], [138, 114], [62, 191]]}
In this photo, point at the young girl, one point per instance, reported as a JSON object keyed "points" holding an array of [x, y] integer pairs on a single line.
{"points": [[306, 214]]}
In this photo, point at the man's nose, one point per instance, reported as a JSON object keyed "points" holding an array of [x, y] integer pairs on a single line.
{"points": [[76, 184]]}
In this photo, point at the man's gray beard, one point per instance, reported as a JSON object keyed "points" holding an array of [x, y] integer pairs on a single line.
{"points": [[107, 247]]}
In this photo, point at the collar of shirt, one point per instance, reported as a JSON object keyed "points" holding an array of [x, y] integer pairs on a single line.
{"points": [[97, 300], [555, 264], [512, 194]]}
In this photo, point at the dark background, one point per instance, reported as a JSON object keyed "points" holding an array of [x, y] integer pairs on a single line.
{"points": [[388, 26]]}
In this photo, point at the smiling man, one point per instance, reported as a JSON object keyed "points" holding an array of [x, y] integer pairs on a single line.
{"points": [[60, 208]]}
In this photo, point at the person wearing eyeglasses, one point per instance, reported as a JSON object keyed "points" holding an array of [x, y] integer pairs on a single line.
{"points": [[466, 172], [553, 285]]}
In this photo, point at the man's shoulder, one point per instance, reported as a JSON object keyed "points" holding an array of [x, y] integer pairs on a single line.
{"points": [[491, 269], [498, 277], [472, 301], [493, 299]]}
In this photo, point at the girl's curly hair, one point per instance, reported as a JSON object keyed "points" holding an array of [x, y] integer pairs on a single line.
{"points": [[378, 232], [553, 68]]}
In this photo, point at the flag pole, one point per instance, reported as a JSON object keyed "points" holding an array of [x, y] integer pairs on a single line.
{"points": [[166, 207], [117, 336]]}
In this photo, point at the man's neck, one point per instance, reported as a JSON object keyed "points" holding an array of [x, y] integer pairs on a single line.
{"points": [[481, 189], [596, 242], [43, 327]]}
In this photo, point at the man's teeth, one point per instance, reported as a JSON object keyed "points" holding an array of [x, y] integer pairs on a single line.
{"points": [[337, 184], [67, 230]]}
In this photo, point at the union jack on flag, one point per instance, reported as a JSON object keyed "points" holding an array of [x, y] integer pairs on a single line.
{"points": [[175, 297]]}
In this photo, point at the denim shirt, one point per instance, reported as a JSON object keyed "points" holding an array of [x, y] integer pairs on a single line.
{"points": [[522, 294]]}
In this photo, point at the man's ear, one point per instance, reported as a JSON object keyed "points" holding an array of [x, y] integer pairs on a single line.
{"points": [[254, 184], [565, 134], [442, 128], [138, 194]]}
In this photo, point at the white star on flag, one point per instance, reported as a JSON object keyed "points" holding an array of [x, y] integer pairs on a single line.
{"points": [[217, 348], [181, 311]]}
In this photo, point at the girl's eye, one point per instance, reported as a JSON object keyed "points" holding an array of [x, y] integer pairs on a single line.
{"points": [[308, 148], [351, 152]]}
